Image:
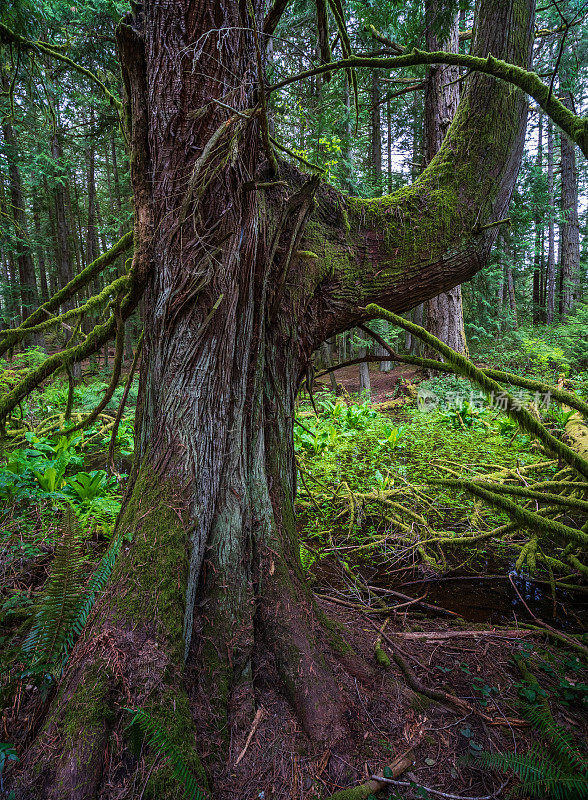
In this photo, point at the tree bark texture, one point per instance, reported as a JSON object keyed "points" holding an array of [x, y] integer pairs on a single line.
{"points": [[209, 578], [569, 245], [444, 312], [29, 295]]}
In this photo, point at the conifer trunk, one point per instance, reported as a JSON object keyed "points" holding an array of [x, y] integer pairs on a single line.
{"points": [[444, 312]]}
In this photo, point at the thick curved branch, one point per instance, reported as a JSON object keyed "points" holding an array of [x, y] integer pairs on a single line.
{"points": [[400, 250]]}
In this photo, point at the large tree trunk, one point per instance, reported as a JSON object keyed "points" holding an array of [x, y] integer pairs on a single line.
{"points": [[209, 578], [444, 312]]}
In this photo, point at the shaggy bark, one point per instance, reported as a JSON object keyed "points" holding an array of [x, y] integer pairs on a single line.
{"points": [[242, 283], [444, 312]]}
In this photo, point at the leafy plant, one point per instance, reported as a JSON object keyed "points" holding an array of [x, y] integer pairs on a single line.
{"points": [[558, 771], [146, 727], [61, 596], [96, 585], [7, 754], [392, 436], [65, 604], [87, 486]]}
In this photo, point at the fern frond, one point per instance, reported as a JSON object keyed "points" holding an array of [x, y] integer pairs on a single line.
{"points": [[561, 741], [562, 787], [528, 766], [60, 597], [95, 586], [155, 738]]}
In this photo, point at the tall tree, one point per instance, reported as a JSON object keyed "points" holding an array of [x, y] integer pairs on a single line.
{"points": [[29, 294], [538, 276], [445, 311], [551, 265], [376, 132], [569, 231], [233, 307]]}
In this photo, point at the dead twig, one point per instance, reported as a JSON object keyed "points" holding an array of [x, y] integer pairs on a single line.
{"points": [[256, 720]]}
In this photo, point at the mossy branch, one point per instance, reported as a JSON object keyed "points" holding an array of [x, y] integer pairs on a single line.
{"points": [[93, 341], [8, 36], [561, 395], [116, 370], [571, 124], [93, 303], [534, 493], [465, 367], [9, 338], [521, 515]]}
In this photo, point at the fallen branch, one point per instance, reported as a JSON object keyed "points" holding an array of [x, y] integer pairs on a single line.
{"points": [[440, 635], [397, 767], [257, 719], [466, 368], [391, 782]]}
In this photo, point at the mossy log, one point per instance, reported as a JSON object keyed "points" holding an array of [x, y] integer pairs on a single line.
{"points": [[372, 787]]}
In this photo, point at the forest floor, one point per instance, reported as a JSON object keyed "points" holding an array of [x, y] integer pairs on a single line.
{"points": [[389, 717], [459, 666], [383, 383]]}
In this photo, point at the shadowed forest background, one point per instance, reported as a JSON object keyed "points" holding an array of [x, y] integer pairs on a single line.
{"points": [[293, 400]]}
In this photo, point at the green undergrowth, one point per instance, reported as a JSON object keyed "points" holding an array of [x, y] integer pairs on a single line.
{"points": [[46, 479], [546, 351], [351, 456]]}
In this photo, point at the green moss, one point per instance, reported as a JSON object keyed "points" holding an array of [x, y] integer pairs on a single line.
{"points": [[87, 709], [420, 702], [334, 631], [153, 573], [381, 656], [173, 716], [306, 254]]}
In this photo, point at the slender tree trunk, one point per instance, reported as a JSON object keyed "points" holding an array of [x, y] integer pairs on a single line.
{"points": [[551, 266], [376, 131], [62, 231], [444, 312], [537, 256], [365, 384], [418, 317], [389, 143], [40, 250], [511, 296], [569, 231], [10, 294], [29, 295]]}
